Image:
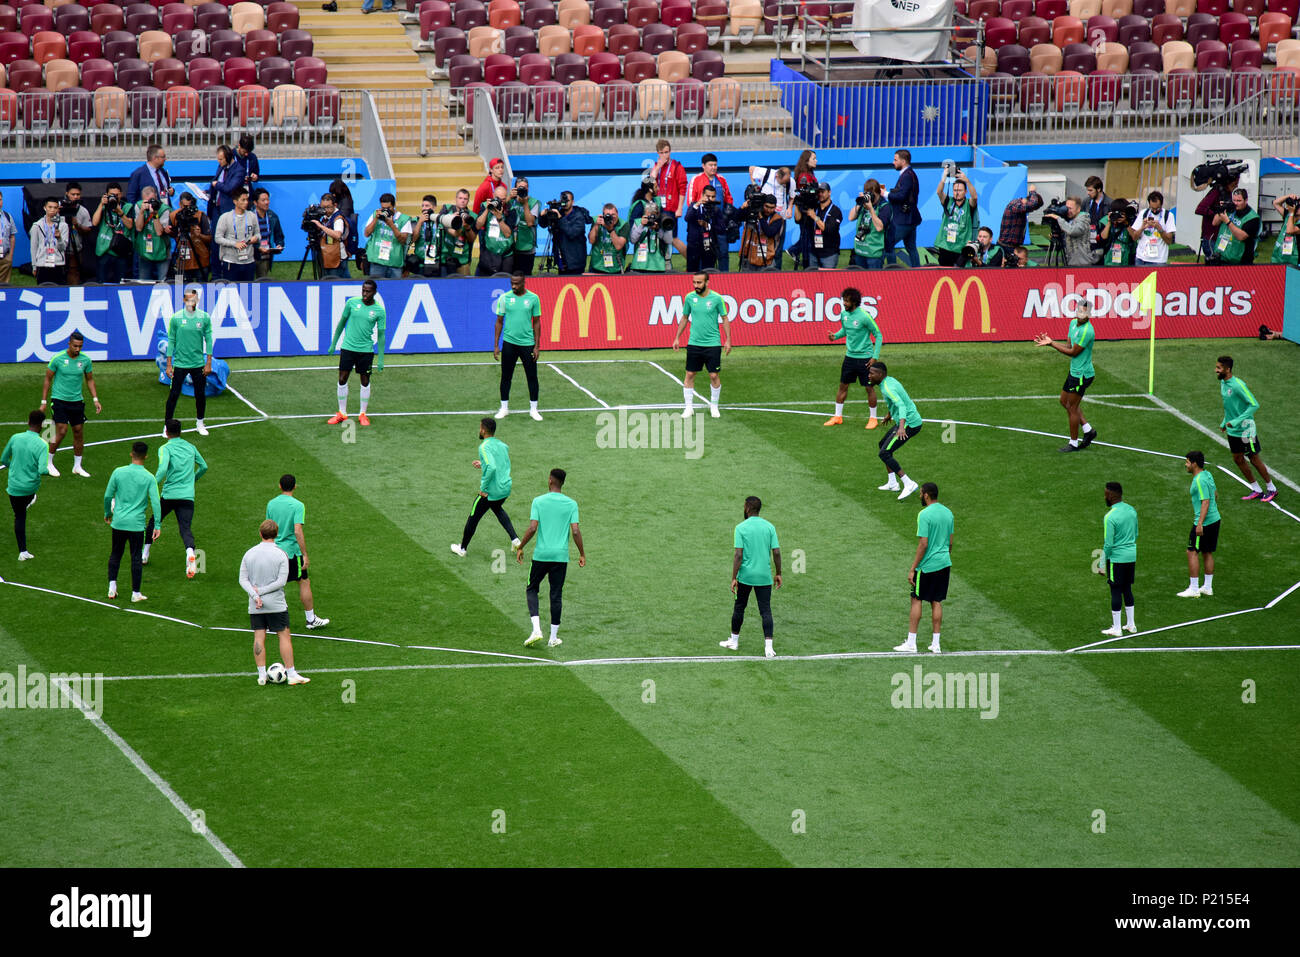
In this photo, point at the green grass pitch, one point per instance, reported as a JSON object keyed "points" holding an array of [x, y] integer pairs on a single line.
{"points": [[629, 755]]}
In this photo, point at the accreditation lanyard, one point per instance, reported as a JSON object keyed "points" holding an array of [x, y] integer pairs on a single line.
{"points": [[238, 220], [51, 238]]}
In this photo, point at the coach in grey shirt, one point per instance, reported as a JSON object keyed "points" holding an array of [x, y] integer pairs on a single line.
{"points": [[238, 238], [263, 573]]}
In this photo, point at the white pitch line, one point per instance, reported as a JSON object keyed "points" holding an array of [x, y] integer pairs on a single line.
{"points": [[1214, 434], [427, 365], [1283, 595], [1152, 631], [154, 614], [956, 398], [673, 377], [62, 594], [494, 654], [239, 395], [294, 634], [154, 778], [576, 383], [156, 435], [99, 421], [1053, 435], [1111, 651]]}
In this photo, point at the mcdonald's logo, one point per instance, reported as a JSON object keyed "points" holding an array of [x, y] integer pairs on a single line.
{"points": [[583, 302], [958, 303]]}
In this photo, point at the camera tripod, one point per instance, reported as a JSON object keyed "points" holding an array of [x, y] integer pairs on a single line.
{"points": [[312, 251], [171, 266]]}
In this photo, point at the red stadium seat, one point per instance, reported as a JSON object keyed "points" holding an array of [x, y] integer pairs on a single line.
{"points": [[189, 44], [1290, 7], [469, 14], [1133, 29], [569, 67], [1234, 26], [538, 16], [657, 37], [182, 106], [1099, 30], [1013, 60], [218, 106], [203, 72], [211, 17], [520, 40], [1200, 26], [499, 68], [85, 45], [1148, 8], [1145, 56], [1211, 54], [76, 108], [1067, 30], [141, 17], [14, 46], [105, 17], [1079, 58], [132, 73], [548, 103], [603, 67], [309, 72], [323, 106], [296, 44], [8, 110], [260, 44], [253, 105], [588, 39], [1216, 8], [1000, 32], [609, 13], [706, 65], [1166, 27], [224, 44], [1215, 88], [1033, 31], [120, 45], [674, 13], [1051, 9], [25, 75], [281, 17], [512, 104], [49, 45], [70, 18], [1070, 90], [97, 73], [1245, 54], [1180, 90], [983, 9], [691, 37], [638, 66], [641, 13], [620, 99], [33, 19], [1035, 93], [623, 39], [38, 110], [177, 17], [534, 69], [690, 97], [433, 15], [1017, 10], [1248, 87], [504, 13], [463, 70], [240, 71], [449, 42], [168, 73], [1104, 90], [8, 21], [1273, 27]]}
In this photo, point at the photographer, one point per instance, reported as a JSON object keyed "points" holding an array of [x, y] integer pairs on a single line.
{"points": [[1114, 233], [707, 222], [982, 253], [1015, 218], [1155, 233], [79, 227], [960, 215], [193, 239], [1220, 182], [904, 201], [331, 239], [422, 254], [1284, 249], [386, 234], [113, 244], [49, 240], [1238, 229], [238, 238], [644, 231], [1098, 206], [608, 242], [488, 188], [526, 210], [271, 240], [760, 247], [869, 242], [496, 230], [568, 225], [457, 247], [821, 248], [1019, 259], [153, 230], [1076, 228], [777, 184], [8, 233]]}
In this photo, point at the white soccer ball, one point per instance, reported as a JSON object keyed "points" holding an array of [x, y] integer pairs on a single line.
{"points": [[276, 674]]}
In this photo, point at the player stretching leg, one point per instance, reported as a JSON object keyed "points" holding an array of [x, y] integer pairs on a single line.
{"points": [[902, 412], [1079, 349], [494, 489], [1239, 408], [704, 350], [1120, 551], [862, 342], [361, 317]]}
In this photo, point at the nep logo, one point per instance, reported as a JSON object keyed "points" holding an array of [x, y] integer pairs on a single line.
{"points": [[907, 6]]}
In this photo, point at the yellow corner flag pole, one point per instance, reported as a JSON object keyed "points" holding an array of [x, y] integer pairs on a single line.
{"points": [[1146, 298]]}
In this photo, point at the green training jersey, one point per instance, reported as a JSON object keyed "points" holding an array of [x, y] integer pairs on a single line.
{"points": [[958, 225], [494, 459], [1121, 533], [286, 511], [605, 257], [901, 407], [1239, 406], [131, 489], [517, 313], [934, 523], [1082, 334], [1202, 490], [553, 512], [493, 238], [68, 374], [704, 313], [861, 335], [525, 235], [189, 338], [180, 465], [755, 537], [360, 322], [27, 456], [385, 246]]}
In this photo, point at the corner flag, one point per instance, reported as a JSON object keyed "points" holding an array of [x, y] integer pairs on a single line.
{"points": [[1146, 300]]}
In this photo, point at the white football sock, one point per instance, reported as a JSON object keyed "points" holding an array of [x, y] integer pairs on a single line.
{"points": [[189, 553], [871, 411], [1128, 611], [261, 671], [198, 423], [112, 585], [911, 637], [365, 397], [1087, 427], [1195, 583], [76, 461], [537, 624], [144, 552], [735, 638], [839, 410], [767, 644], [532, 405], [555, 631], [293, 672], [689, 395], [343, 399], [135, 594], [1209, 581], [1254, 487], [505, 404], [935, 639], [1270, 486], [714, 393], [311, 615], [1074, 442], [1114, 618]]}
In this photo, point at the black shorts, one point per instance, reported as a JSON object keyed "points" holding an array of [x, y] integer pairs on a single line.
{"points": [[69, 413], [361, 361], [931, 586], [1207, 542], [703, 357], [1121, 574], [1073, 384], [276, 621], [296, 573], [1236, 445], [854, 370]]}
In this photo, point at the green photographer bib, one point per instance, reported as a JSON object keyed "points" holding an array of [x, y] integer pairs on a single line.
{"points": [[957, 226], [604, 257]]}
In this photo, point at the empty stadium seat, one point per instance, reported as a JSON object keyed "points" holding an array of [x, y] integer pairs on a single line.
{"points": [[1078, 58], [177, 17], [1166, 27], [181, 107], [672, 66], [503, 14], [260, 44], [119, 45], [323, 106], [1134, 29], [133, 73], [1083, 9], [433, 15], [168, 73], [1035, 93], [1288, 53], [218, 106], [224, 44], [70, 18], [658, 37], [49, 45], [75, 107], [32, 19], [61, 74], [85, 45], [1033, 31], [619, 97], [1249, 85], [1177, 55], [623, 39], [1234, 26], [1214, 7], [1180, 90], [8, 20], [691, 37], [210, 17], [253, 105], [1100, 29], [603, 67], [1112, 58], [654, 100], [713, 16], [484, 41], [572, 13], [499, 68], [1051, 9], [539, 14], [189, 44], [1017, 10], [14, 46], [288, 106], [141, 17], [1104, 90], [1211, 54], [154, 45], [1067, 30], [307, 72], [674, 13], [246, 16], [548, 103], [1144, 56], [1182, 8], [512, 104], [1290, 7], [553, 40], [1013, 60], [584, 103], [240, 71], [1148, 8], [639, 65], [448, 42], [1070, 90], [110, 107], [1117, 8], [463, 70], [470, 99], [97, 73], [281, 17], [520, 40], [641, 13], [469, 14], [1215, 86], [105, 17], [609, 13], [295, 44], [1045, 58], [534, 68], [203, 73], [746, 19], [999, 32], [1245, 54], [706, 65], [37, 110], [588, 39], [1272, 28], [569, 67]]}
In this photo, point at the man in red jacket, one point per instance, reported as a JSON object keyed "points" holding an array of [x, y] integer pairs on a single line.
{"points": [[709, 176], [669, 177], [487, 189]]}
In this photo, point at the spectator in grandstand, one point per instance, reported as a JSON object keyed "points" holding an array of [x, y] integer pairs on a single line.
{"points": [[1098, 206], [113, 247], [1209, 207], [153, 228], [960, 218], [252, 167], [821, 235], [1076, 227], [496, 230], [608, 239], [669, 179], [568, 225], [1015, 217], [488, 188], [645, 234], [457, 224], [49, 239], [271, 235], [1114, 233], [193, 239], [423, 257], [1154, 234], [1284, 249], [1019, 258], [151, 174], [343, 200], [1238, 230], [989, 255], [760, 242], [8, 233], [869, 241], [707, 222], [526, 210], [776, 183], [387, 231], [332, 239], [904, 204], [79, 227], [238, 238]]}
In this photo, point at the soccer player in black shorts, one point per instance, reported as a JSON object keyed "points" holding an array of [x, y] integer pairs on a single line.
{"points": [[1078, 348], [64, 373]]}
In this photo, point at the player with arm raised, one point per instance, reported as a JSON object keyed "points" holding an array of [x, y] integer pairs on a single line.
{"points": [[704, 349], [862, 342], [1120, 551], [361, 317], [1239, 408], [1078, 348], [554, 516], [754, 541], [518, 338], [901, 411], [63, 378], [931, 566]]}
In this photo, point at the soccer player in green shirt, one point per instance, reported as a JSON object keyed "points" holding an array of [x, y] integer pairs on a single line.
{"points": [[290, 515], [361, 317], [552, 518], [907, 421], [862, 342], [931, 566], [704, 350], [1239, 408], [131, 490], [180, 465], [1204, 537], [1119, 547], [494, 488], [1079, 348], [754, 541], [26, 456], [518, 338], [63, 378], [189, 355]]}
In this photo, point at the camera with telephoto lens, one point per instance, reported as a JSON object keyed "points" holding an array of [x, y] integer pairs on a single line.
{"points": [[310, 215], [971, 255], [609, 220], [1122, 215], [155, 204], [805, 196], [550, 216], [1219, 174], [521, 192], [493, 205], [185, 217], [68, 209], [452, 219], [754, 201], [110, 201]]}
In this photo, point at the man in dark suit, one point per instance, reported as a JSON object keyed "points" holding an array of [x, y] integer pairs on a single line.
{"points": [[1098, 206], [151, 174], [904, 210]]}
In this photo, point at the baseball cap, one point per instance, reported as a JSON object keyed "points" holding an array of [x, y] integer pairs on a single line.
{"points": [[824, 185]]}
